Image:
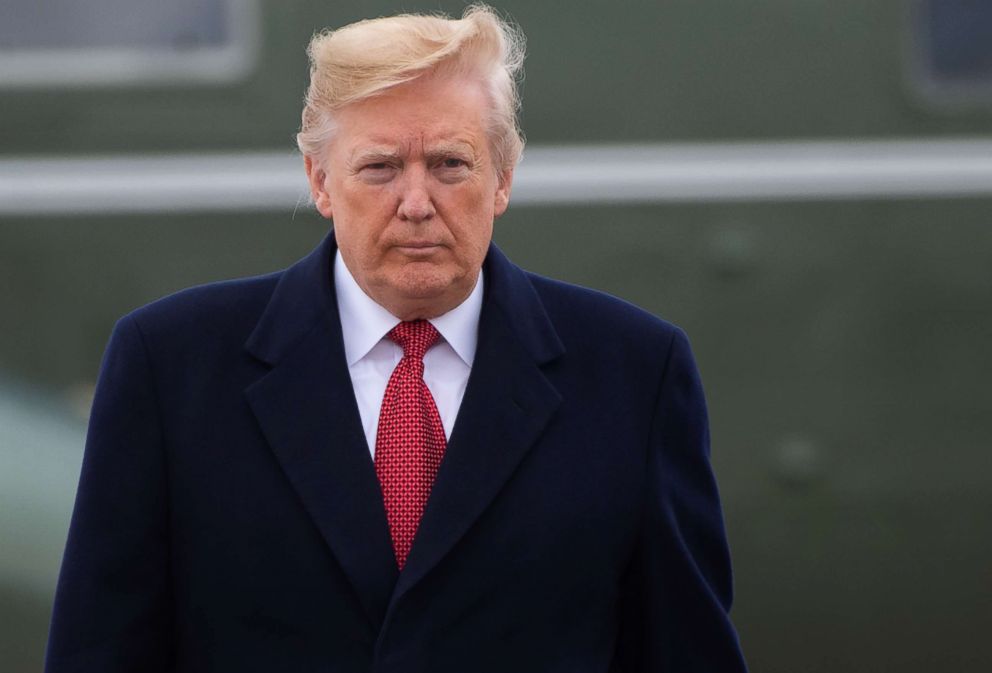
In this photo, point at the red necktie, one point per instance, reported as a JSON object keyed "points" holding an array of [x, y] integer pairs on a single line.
{"points": [[410, 441]]}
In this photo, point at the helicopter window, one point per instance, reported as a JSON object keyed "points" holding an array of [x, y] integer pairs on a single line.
{"points": [[953, 50], [126, 42]]}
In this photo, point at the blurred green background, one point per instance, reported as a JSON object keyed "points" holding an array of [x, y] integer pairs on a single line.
{"points": [[843, 341]]}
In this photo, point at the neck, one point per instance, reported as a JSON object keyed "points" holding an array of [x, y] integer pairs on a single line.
{"points": [[407, 308]]}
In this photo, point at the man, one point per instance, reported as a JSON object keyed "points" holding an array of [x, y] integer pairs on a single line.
{"points": [[403, 453]]}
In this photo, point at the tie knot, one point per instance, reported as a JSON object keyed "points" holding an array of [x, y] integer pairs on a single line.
{"points": [[414, 337]]}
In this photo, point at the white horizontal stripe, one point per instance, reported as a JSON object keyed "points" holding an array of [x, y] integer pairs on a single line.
{"points": [[549, 175]]}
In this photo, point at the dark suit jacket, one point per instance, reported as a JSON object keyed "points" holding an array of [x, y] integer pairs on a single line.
{"points": [[229, 518]]}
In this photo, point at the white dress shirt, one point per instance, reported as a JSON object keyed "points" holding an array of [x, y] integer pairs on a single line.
{"points": [[372, 357]]}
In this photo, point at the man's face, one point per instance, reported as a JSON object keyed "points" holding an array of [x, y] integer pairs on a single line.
{"points": [[409, 181]]}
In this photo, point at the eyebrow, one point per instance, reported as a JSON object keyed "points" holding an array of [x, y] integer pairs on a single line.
{"points": [[443, 150], [372, 155]]}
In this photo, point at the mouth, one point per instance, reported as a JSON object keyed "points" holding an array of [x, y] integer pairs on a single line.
{"points": [[418, 248]]}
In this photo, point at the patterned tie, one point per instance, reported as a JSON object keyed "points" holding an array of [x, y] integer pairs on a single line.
{"points": [[410, 442]]}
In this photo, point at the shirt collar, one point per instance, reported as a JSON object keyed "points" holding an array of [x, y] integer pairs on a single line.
{"points": [[364, 322]]}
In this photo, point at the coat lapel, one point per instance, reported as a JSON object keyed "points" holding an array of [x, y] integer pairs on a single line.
{"points": [[307, 411], [506, 406]]}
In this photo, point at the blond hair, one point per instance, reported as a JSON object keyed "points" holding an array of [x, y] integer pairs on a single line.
{"points": [[364, 59]]}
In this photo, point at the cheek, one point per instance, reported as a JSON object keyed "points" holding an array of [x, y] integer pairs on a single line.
{"points": [[477, 226], [362, 218], [476, 238], [356, 245]]}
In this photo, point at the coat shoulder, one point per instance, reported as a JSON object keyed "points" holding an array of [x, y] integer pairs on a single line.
{"points": [[229, 306], [613, 339], [573, 307]]}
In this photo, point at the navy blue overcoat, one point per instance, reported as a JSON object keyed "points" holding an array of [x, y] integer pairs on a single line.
{"points": [[229, 518]]}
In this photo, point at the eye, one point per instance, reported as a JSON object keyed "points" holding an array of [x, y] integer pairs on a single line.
{"points": [[452, 169], [376, 172], [377, 167]]}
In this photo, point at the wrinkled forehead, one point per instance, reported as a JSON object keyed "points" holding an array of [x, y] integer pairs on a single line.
{"points": [[426, 113]]}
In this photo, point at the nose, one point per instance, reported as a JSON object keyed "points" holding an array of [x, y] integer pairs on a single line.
{"points": [[416, 203]]}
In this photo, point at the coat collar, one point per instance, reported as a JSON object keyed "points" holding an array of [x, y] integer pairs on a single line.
{"points": [[305, 297], [307, 411]]}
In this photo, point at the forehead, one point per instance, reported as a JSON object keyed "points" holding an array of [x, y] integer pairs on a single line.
{"points": [[426, 111]]}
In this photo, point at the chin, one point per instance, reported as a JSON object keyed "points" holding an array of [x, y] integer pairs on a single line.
{"points": [[422, 290], [424, 282], [426, 293]]}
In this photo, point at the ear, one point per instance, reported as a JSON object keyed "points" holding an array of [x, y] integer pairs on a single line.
{"points": [[318, 189], [502, 198]]}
